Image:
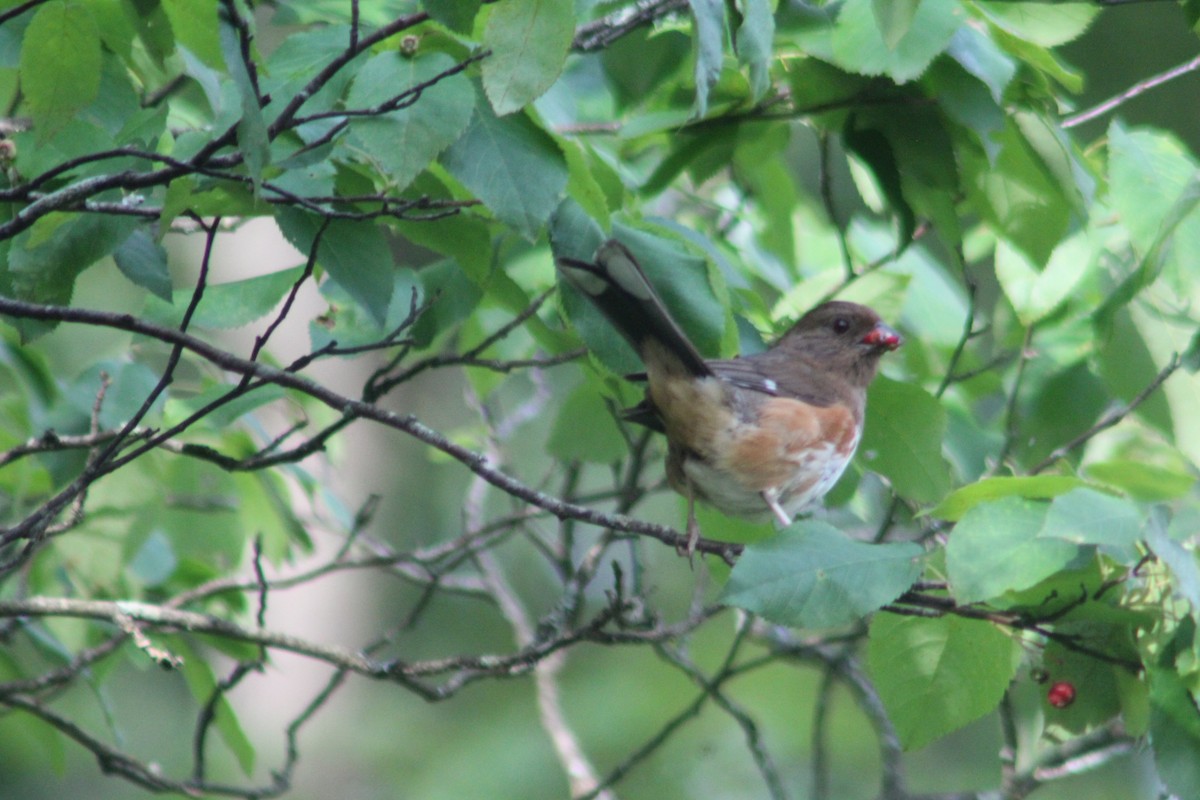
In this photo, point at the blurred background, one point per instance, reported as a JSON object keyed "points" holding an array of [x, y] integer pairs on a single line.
{"points": [[375, 740]]}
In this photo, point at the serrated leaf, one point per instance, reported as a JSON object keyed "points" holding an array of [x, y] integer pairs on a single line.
{"points": [[60, 65], [227, 305], [813, 576], [513, 166], [995, 549], [144, 262], [859, 43], [903, 440], [404, 142], [936, 675], [1039, 487], [708, 19], [529, 40]]}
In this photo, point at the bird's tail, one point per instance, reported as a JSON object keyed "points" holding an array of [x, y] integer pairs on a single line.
{"points": [[617, 286]]}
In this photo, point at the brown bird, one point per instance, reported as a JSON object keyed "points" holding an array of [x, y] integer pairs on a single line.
{"points": [[754, 436]]}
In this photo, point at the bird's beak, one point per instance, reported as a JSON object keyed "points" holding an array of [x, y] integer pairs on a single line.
{"points": [[883, 337]]}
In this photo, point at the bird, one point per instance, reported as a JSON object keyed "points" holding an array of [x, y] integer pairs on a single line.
{"points": [[758, 436]]}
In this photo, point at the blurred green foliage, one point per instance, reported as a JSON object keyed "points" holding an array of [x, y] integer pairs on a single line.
{"points": [[191, 434]]}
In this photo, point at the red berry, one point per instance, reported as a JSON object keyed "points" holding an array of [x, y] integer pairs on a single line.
{"points": [[1061, 694]]}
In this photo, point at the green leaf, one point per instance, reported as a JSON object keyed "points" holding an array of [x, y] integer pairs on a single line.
{"points": [[980, 56], [1175, 732], [1097, 691], [903, 439], [995, 549], [1127, 367], [203, 683], [1180, 560], [404, 142], [195, 24], [1040, 58], [812, 576], [1086, 516], [1044, 24], [263, 497], [1055, 154], [754, 44], [708, 18], [1048, 423], [230, 411], [1140, 480], [1147, 173], [936, 675], [253, 142], [129, 384], [355, 254], [45, 260], [154, 562], [1035, 292], [529, 40], [859, 44], [894, 18], [60, 65], [513, 166], [144, 262], [347, 323], [457, 15], [452, 298], [585, 429], [1016, 193], [875, 150], [582, 184], [227, 305]]}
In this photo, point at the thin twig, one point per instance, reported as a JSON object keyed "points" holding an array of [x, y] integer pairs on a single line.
{"points": [[1139, 88]]}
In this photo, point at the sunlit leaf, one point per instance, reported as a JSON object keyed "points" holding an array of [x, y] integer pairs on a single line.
{"points": [[995, 548]]}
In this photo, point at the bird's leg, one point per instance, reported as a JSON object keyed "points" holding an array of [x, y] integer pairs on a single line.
{"points": [[693, 528], [771, 496]]}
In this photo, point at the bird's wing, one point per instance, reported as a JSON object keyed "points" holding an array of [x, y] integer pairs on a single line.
{"points": [[773, 374]]}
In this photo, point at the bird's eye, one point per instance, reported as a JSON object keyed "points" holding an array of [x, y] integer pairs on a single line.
{"points": [[841, 325]]}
